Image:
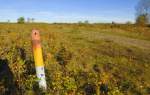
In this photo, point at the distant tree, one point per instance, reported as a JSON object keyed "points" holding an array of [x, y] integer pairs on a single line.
{"points": [[8, 21], [113, 22], [129, 22], [143, 11], [79, 22], [32, 20], [28, 20], [142, 20], [86, 22], [21, 20]]}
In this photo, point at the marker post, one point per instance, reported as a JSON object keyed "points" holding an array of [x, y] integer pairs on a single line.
{"points": [[38, 59]]}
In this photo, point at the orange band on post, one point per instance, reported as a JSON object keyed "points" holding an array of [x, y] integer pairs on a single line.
{"points": [[37, 50]]}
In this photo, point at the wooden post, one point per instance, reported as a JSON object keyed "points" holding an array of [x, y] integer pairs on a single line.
{"points": [[38, 59]]}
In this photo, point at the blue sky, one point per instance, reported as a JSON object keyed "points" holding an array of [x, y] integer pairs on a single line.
{"points": [[69, 10]]}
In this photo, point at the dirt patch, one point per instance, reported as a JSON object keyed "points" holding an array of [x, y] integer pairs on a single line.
{"points": [[143, 44]]}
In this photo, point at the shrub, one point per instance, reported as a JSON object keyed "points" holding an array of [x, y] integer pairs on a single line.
{"points": [[21, 20], [142, 20]]}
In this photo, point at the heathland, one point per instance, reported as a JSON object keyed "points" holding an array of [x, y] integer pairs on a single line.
{"points": [[79, 59]]}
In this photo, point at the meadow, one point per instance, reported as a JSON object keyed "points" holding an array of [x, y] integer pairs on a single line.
{"points": [[78, 59]]}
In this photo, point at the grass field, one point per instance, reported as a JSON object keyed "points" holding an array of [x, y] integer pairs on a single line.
{"points": [[92, 54]]}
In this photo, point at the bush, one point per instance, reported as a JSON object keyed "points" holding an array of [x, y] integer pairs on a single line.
{"points": [[142, 20], [21, 20]]}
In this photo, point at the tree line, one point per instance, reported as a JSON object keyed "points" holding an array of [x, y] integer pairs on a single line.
{"points": [[142, 14], [21, 20]]}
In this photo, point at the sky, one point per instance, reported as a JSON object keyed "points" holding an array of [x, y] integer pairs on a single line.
{"points": [[69, 10]]}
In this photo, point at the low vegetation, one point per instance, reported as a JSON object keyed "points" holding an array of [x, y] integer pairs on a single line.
{"points": [[80, 59]]}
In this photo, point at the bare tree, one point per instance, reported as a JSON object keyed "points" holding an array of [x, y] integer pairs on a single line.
{"points": [[143, 9], [32, 20], [28, 20]]}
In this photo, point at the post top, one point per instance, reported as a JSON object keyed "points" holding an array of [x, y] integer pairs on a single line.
{"points": [[35, 34]]}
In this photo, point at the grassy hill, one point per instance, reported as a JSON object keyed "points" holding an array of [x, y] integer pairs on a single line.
{"points": [[117, 56]]}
